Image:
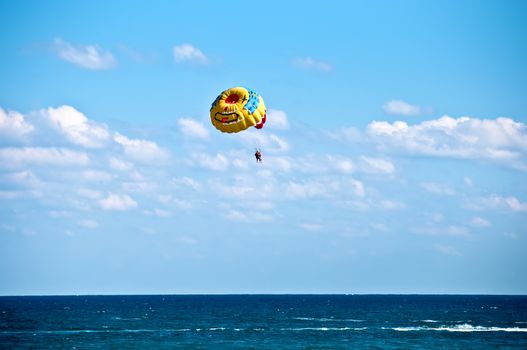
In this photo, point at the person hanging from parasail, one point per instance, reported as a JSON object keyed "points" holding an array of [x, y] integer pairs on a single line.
{"points": [[258, 156]]}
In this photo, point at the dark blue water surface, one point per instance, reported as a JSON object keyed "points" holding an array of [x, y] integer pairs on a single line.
{"points": [[264, 322]]}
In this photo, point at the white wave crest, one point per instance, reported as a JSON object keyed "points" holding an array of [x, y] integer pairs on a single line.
{"points": [[324, 329], [459, 328], [324, 319]]}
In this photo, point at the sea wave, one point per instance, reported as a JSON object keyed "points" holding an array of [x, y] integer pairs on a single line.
{"points": [[324, 329], [79, 331], [324, 319], [459, 328]]}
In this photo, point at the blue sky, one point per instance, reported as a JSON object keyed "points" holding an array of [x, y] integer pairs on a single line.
{"points": [[395, 152]]}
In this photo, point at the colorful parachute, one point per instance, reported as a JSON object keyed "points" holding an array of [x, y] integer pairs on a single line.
{"points": [[237, 109]]}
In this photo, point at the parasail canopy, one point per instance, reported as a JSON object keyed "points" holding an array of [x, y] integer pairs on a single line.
{"points": [[237, 109]]}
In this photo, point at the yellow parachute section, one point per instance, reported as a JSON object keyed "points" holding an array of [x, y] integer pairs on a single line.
{"points": [[237, 109]]}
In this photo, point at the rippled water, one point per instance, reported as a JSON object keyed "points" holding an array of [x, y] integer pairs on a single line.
{"points": [[264, 322]]}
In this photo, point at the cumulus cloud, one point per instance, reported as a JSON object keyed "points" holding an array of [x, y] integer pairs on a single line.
{"points": [[438, 188], [479, 222], [296, 190], [496, 202], [96, 175], [20, 179], [14, 125], [377, 165], [187, 52], [193, 128], [277, 163], [119, 202], [77, 128], [142, 150], [84, 56], [13, 156], [187, 182], [276, 119], [241, 216], [399, 107], [119, 164], [216, 162], [501, 139], [309, 63], [439, 230], [342, 164], [515, 204]]}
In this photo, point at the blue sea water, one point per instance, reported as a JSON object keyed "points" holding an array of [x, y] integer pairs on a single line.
{"points": [[264, 322]]}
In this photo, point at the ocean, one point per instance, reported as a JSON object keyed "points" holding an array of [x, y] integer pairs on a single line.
{"points": [[264, 322]]}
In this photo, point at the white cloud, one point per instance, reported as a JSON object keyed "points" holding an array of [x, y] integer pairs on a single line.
{"points": [[25, 177], [357, 187], [90, 224], [447, 250], [162, 213], [439, 230], [217, 162], [399, 107], [496, 202], [240, 163], [144, 187], [187, 52], [85, 56], [277, 163], [182, 204], [14, 125], [237, 215], [479, 222], [501, 139], [117, 202], [468, 181], [391, 204], [515, 204], [309, 63], [96, 175], [119, 164], [438, 188], [42, 156], [297, 190], [281, 143], [348, 134], [142, 150], [344, 165], [186, 182], [77, 128], [193, 128], [377, 165], [276, 119], [89, 193]]}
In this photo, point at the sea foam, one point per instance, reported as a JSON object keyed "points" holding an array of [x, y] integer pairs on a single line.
{"points": [[460, 328]]}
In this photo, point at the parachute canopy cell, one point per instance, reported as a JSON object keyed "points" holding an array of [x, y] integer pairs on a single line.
{"points": [[237, 109]]}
